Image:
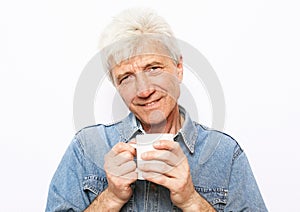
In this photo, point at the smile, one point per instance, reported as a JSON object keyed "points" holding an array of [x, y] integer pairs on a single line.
{"points": [[150, 104]]}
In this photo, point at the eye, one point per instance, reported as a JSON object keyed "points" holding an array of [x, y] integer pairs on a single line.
{"points": [[155, 69], [125, 79]]}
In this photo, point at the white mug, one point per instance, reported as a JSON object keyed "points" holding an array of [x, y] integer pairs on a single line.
{"points": [[144, 143]]}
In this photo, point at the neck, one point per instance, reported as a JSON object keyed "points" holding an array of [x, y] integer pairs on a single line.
{"points": [[171, 124]]}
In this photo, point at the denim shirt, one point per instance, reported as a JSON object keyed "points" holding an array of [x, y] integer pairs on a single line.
{"points": [[219, 168]]}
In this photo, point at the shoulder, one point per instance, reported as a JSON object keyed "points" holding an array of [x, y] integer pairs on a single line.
{"points": [[209, 134], [96, 139], [214, 142], [93, 132]]}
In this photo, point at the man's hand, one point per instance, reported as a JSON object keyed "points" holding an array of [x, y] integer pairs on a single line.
{"points": [[120, 169], [174, 174]]}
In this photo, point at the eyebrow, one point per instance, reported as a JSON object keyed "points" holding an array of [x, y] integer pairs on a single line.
{"points": [[147, 65], [120, 76], [154, 63]]}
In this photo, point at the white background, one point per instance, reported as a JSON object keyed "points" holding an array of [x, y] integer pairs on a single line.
{"points": [[252, 45]]}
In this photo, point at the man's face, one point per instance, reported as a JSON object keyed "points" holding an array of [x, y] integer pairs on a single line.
{"points": [[149, 86]]}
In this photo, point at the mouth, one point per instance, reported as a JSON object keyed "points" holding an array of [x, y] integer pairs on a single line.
{"points": [[150, 104]]}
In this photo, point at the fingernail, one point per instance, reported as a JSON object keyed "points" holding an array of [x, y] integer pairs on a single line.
{"points": [[156, 143]]}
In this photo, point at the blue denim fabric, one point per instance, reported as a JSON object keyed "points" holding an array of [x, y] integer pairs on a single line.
{"points": [[219, 168]]}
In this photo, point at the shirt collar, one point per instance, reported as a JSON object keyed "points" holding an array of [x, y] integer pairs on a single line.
{"points": [[188, 133], [130, 126]]}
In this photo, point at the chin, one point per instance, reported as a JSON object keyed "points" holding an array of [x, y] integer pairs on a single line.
{"points": [[155, 123], [155, 117]]}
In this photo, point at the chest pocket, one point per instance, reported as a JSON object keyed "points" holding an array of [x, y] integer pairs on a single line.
{"points": [[94, 185], [217, 197]]}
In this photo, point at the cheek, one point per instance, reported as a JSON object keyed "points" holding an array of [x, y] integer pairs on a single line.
{"points": [[126, 95], [170, 85]]}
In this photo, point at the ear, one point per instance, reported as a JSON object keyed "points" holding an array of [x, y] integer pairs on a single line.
{"points": [[180, 69]]}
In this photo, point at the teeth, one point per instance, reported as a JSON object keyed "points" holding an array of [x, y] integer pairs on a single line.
{"points": [[151, 103]]}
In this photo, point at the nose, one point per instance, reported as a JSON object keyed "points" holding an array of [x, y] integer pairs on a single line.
{"points": [[144, 87]]}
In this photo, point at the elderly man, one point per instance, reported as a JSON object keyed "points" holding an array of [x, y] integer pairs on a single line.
{"points": [[200, 169]]}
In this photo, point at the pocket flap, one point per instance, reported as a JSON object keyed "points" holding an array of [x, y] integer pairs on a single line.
{"points": [[215, 196], [95, 184]]}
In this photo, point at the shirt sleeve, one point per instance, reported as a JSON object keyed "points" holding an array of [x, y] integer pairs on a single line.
{"points": [[243, 194], [65, 191]]}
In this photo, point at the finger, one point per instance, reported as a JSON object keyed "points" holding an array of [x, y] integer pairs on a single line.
{"points": [[175, 179], [121, 147], [122, 157], [163, 155], [112, 163], [179, 171], [132, 141], [132, 176], [152, 176], [166, 180], [164, 144], [158, 178], [126, 179], [123, 169], [155, 166], [168, 145]]}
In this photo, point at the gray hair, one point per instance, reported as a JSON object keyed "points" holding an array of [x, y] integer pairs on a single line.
{"points": [[137, 31]]}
